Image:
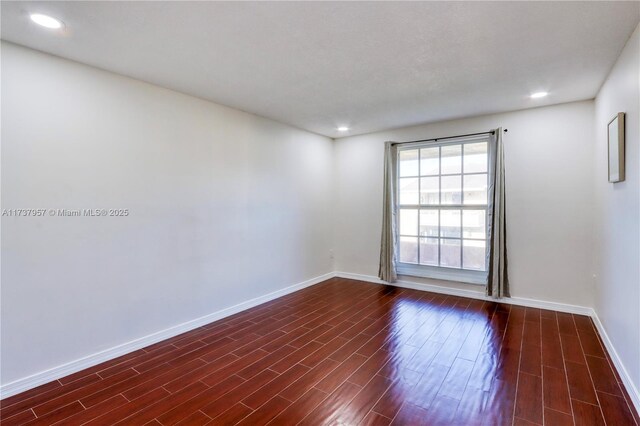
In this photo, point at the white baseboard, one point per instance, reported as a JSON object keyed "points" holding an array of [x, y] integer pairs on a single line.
{"points": [[60, 371], [521, 301], [633, 391]]}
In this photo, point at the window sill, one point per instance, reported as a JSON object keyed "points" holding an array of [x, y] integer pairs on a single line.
{"points": [[447, 274]]}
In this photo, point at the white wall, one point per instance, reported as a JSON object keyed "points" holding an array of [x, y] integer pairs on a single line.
{"points": [[549, 162], [225, 206], [618, 212]]}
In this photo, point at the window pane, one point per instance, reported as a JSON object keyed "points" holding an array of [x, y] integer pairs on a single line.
{"points": [[450, 223], [429, 161], [429, 190], [428, 223], [429, 251], [474, 224], [475, 157], [450, 253], [436, 236], [408, 191], [451, 190], [408, 162], [408, 222], [408, 249], [475, 189], [451, 160], [474, 255]]}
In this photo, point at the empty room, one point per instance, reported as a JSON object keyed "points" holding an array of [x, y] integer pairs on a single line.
{"points": [[320, 213]]}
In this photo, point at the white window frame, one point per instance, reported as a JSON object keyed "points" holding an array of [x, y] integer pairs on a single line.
{"points": [[443, 272]]}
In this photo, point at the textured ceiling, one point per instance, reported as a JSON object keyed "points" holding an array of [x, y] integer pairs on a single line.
{"points": [[369, 66]]}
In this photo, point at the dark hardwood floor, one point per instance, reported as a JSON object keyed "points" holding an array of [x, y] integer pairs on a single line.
{"points": [[348, 352]]}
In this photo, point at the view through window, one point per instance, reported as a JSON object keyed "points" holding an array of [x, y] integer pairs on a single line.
{"points": [[442, 204]]}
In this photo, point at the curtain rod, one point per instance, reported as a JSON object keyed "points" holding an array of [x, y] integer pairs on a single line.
{"points": [[491, 132]]}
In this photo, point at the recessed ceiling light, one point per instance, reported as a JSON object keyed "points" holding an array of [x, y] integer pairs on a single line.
{"points": [[46, 21], [343, 129], [539, 95]]}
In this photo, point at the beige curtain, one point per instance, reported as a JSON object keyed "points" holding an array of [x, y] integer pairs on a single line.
{"points": [[387, 270], [497, 280]]}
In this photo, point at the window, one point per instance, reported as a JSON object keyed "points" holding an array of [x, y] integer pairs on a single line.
{"points": [[442, 209]]}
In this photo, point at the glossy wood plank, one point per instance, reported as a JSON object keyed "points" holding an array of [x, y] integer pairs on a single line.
{"points": [[615, 409], [580, 384], [551, 347], [215, 407], [375, 419], [529, 398], [391, 401], [348, 352], [328, 409], [97, 410], [517, 421], [19, 419], [297, 411], [602, 375], [629, 401], [532, 331], [178, 412], [106, 392], [456, 381], [585, 414], [160, 407], [590, 342], [309, 379], [43, 389], [571, 349], [471, 407], [500, 406], [57, 414], [531, 360], [556, 418], [129, 408], [411, 414], [425, 391], [14, 405], [443, 410], [363, 402], [267, 412], [566, 324], [556, 390], [484, 371], [87, 390], [197, 418], [275, 386]]}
